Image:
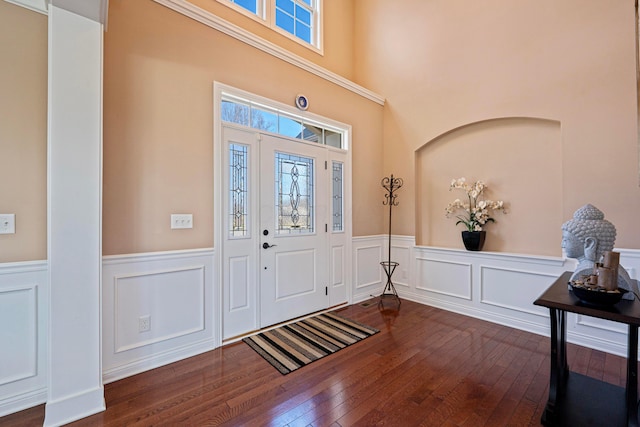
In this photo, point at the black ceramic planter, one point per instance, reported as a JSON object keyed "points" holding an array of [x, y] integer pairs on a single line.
{"points": [[473, 240]]}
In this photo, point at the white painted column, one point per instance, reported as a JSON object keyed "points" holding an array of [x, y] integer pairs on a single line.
{"points": [[75, 387]]}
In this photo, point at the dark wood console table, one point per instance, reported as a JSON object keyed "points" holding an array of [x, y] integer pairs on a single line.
{"points": [[578, 400]]}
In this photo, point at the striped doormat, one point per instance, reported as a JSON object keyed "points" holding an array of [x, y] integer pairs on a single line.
{"points": [[292, 346]]}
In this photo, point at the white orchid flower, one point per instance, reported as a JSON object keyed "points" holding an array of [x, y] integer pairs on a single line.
{"points": [[478, 210]]}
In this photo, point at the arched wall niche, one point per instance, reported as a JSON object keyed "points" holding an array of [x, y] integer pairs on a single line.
{"points": [[520, 158]]}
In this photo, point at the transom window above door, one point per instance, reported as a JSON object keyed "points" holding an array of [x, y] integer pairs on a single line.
{"points": [[299, 20], [265, 118]]}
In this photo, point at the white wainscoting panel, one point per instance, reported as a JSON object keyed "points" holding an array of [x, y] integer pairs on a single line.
{"points": [[367, 255], [172, 300], [175, 292], [23, 335], [507, 288], [337, 261], [401, 255], [497, 287], [444, 277], [19, 334], [239, 275], [338, 288]]}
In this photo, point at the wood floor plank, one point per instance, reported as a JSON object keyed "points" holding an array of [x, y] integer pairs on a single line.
{"points": [[615, 370], [595, 367], [426, 367], [402, 405], [580, 362], [517, 375], [498, 362]]}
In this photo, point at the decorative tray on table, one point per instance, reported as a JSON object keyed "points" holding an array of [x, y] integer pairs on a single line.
{"points": [[597, 295]]}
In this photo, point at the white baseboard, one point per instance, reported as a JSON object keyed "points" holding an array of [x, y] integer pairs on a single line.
{"points": [[22, 401], [156, 360], [61, 412]]}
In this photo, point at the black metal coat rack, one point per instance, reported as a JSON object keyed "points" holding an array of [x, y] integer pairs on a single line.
{"points": [[392, 185]]}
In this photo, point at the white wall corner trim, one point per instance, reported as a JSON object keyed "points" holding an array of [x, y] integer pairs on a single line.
{"points": [[207, 18]]}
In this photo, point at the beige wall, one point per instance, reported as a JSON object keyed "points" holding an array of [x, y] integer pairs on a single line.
{"points": [[534, 146], [158, 125], [511, 93], [23, 131], [445, 66]]}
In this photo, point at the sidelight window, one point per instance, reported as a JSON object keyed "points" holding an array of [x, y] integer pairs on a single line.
{"points": [[337, 196]]}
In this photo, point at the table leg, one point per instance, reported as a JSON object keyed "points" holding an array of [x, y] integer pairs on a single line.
{"points": [[559, 368], [632, 377], [564, 367]]}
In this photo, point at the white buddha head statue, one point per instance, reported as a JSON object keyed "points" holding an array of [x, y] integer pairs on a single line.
{"points": [[588, 235]]}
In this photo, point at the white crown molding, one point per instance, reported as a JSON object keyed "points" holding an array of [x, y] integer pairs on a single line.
{"points": [[207, 18], [39, 6]]}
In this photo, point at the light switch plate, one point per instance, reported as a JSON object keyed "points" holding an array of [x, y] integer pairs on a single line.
{"points": [[179, 221], [7, 223]]}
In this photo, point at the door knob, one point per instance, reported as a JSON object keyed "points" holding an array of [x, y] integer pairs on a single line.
{"points": [[265, 245]]}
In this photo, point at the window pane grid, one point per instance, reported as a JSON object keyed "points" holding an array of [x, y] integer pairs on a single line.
{"points": [[299, 18], [296, 17]]}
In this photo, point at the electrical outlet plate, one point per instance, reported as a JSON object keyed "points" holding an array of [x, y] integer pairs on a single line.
{"points": [[179, 221], [7, 223], [144, 323]]}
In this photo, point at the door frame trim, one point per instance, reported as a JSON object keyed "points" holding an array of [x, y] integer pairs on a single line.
{"points": [[220, 89]]}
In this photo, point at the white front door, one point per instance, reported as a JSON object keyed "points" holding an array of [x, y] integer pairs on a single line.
{"points": [[293, 224], [275, 245]]}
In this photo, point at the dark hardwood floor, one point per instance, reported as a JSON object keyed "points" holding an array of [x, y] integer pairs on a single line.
{"points": [[426, 367]]}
